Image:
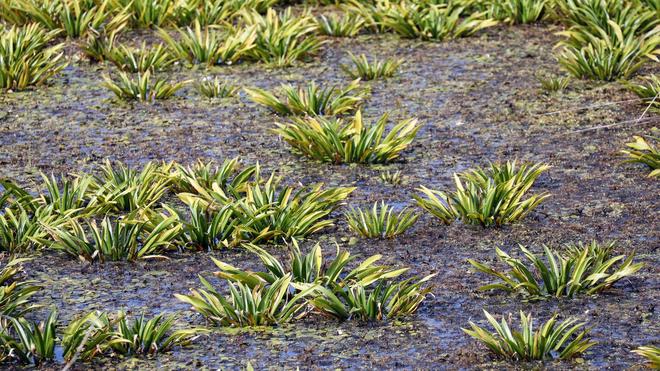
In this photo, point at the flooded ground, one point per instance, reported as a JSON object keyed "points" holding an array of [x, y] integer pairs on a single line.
{"points": [[479, 101]]}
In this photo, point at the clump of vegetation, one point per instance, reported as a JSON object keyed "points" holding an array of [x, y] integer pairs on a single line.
{"points": [[337, 141], [142, 336], [433, 22], [267, 210], [393, 178], [99, 42], [261, 305], [336, 26], [28, 342], [371, 71], [124, 188], [380, 221], [643, 152], [491, 196], [210, 47], [580, 269], [554, 83], [282, 39], [148, 13], [143, 88], [22, 227], [69, 197], [26, 58], [551, 340], [519, 11], [216, 88], [651, 353], [142, 59], [329, 291], [648, 90], [16, 291], [202, 176], [87, 336], [312, 99], [126, 239], [607, 43], [210, 228]]}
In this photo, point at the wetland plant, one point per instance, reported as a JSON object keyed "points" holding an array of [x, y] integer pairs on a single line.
{"points": [[99, 42], [15, 291], [490, 196], [519, 11], [229, 177], [28, 57], [210, 47], [150, 336], [643, 152], [261, 305], [434, 23], [648, 90], [607, 43], [22, 229], [580, 269], [336, 26], [216, 88], [651, 353], [140, 59], [266, 210], [123, 188], [387, 300], [381, 221], [87, 336], [147, 13], [142, 88], [312, 99], [28, 342], [373, 70], [337, 141], [119, 240], [210, 228], [282, 38], [393, 178], [69, 196], [553, 83], [551, 341]]}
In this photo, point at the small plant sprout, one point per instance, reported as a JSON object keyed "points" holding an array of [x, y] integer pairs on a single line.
{"points": [[491, 196], [643, 152], [353, 141], [580, 269], [216, 88], [551, 341], [553, 83], [312, 99], [381, 221], [391, 177], [376, 69], [143, 89]]}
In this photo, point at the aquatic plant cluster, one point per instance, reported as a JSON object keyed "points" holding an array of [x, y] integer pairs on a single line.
{"points": [[125, 213]]}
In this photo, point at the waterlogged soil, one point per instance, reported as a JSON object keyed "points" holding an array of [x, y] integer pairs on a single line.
{"points": [[479, 101]]}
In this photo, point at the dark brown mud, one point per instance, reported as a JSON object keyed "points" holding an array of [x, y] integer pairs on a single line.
{"points": [[479, 101]]}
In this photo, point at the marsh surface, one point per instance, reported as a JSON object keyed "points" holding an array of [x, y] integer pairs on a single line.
{"points": [[479, 101]]}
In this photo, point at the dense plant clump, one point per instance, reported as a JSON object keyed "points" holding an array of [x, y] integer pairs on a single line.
{"points": [[143, 88], [491, 196], [338, 141], [27, 56], [554, 83], [216, 88], [552, 340], [644, 152], [312, 99], [264, 298], [344, 26], [648, 89], [142, 59], [607, 41], [373, 70], [381, 221], [580, 269]]}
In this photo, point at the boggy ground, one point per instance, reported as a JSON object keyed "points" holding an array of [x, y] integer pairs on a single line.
{"points": [[479, 101]]}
